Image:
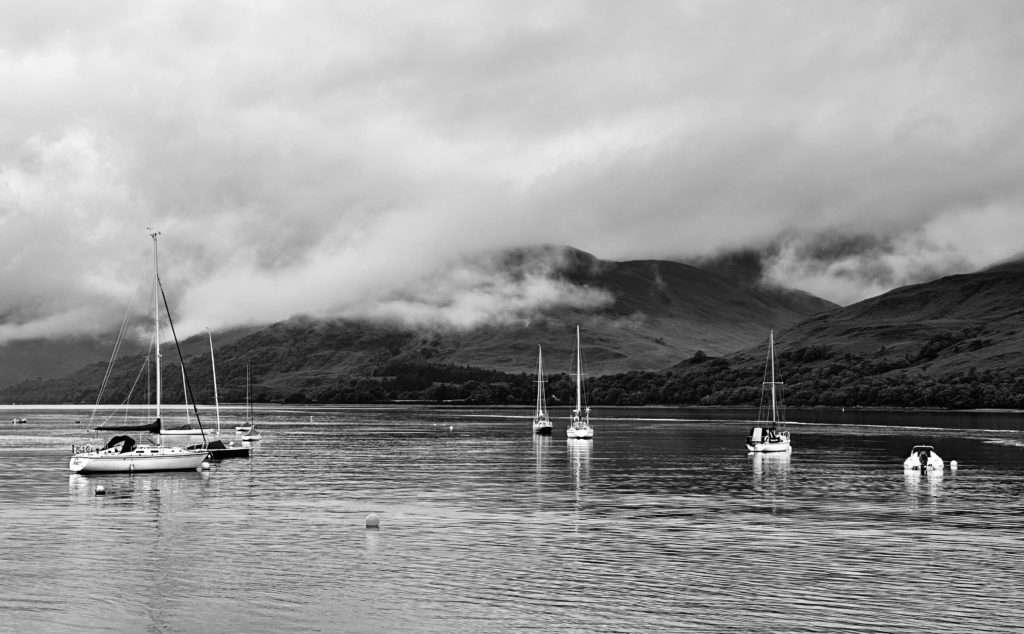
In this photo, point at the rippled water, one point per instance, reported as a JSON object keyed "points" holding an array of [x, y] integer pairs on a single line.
{"points": [[661, 522]]}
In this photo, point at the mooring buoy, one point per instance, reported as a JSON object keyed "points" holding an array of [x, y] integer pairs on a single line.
{"points": [[372, 521], [101, 490]]}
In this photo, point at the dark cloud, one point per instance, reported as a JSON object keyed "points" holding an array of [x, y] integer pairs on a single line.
{"points": [[341, 158]]}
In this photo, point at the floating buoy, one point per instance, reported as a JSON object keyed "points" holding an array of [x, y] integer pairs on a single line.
{"points": [[205, 466], [451, 427], [372, 521], [952, 465], [101, 490]]}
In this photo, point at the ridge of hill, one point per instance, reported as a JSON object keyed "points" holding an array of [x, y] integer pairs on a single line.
{"points": [[955, 342], [659, 312]]}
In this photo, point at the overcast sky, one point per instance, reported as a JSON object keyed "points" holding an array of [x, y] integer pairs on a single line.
{"points": [[364, 158]]}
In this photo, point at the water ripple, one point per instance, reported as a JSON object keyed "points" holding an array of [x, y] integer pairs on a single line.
{"points": [[657, 524]]}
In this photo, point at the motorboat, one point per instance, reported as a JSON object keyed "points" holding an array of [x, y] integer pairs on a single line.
{"points": [[923, 458]]}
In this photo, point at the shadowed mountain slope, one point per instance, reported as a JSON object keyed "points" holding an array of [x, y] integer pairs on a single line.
{"points": [[658, 313]]}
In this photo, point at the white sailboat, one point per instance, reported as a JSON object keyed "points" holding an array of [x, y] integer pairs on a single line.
{"points": [[121, 454], [541, 422], [218, 450], [767, 435], [249, 429], [579, 420]]}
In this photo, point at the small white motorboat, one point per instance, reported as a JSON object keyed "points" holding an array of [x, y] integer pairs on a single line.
{"points": [[923, 458]]}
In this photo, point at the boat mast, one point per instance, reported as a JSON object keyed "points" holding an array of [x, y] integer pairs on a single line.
{"points": [[540, 385], [771, 355], [579, 374], [213, 367], [156, 318]]}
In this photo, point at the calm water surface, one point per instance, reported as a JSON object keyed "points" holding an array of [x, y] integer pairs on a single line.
{"points": [[661, 522]]}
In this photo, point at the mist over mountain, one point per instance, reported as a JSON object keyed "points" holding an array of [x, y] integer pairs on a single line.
{"points": [[647, 315]]}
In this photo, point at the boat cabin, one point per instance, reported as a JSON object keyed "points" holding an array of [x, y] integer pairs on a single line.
{"points": [[764, 434]]}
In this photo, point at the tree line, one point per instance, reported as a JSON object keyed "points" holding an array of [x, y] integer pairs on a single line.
{"points": [[814, 376]]}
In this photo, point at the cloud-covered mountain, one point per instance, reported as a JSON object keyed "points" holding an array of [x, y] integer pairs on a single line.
{"points": [[636, 315]]}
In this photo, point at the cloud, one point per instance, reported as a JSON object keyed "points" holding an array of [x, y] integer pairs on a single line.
{"points": [[352, 158]]}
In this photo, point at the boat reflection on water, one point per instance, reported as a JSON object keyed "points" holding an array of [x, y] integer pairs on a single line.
{"points": [[579, 459], [771, 475], [917, 483], [171, 485], [541, 454], [770, 466], [579, 462], [579, 469]]}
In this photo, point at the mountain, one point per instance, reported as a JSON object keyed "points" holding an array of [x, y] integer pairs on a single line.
{"points": [[44, 358], [954, 342], [659, 312]]}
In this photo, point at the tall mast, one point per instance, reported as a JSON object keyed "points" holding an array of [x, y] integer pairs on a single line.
{"points": [[579, 373], [540, 384], [156, 317], [213, 367], [771, 354]]}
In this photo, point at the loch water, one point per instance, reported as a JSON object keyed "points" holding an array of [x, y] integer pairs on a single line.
{"points": [[662, 522]]}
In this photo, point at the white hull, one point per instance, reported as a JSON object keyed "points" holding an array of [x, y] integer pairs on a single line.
{"points": [[770, 447], [542, 426], [579, 432], [923, 458], [141, 459], [180, 432]]}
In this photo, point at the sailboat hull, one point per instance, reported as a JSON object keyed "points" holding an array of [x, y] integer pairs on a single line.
{"points": [[143, 459], [769, 447], [542, 427], [579, 432]]}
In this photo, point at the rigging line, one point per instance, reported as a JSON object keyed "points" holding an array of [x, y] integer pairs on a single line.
{"points": [[117, 347], [188, 384], [131, 391]]}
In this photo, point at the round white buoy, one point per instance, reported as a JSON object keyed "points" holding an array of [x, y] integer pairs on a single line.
{"points": [[952, 465], [451, 427], [372, 521], [205, 466], [101, 490]]}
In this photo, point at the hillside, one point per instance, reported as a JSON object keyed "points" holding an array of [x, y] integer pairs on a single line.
{"points": [[661, 312], [954, 342]]}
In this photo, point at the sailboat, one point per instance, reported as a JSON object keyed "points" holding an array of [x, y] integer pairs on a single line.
{"points": [[767, 435], [541, 422], [249, 430], [218, 450], [579, 420], [122, 453]]}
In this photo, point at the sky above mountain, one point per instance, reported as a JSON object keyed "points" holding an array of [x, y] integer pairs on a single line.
{"points": [[368, 158]]}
